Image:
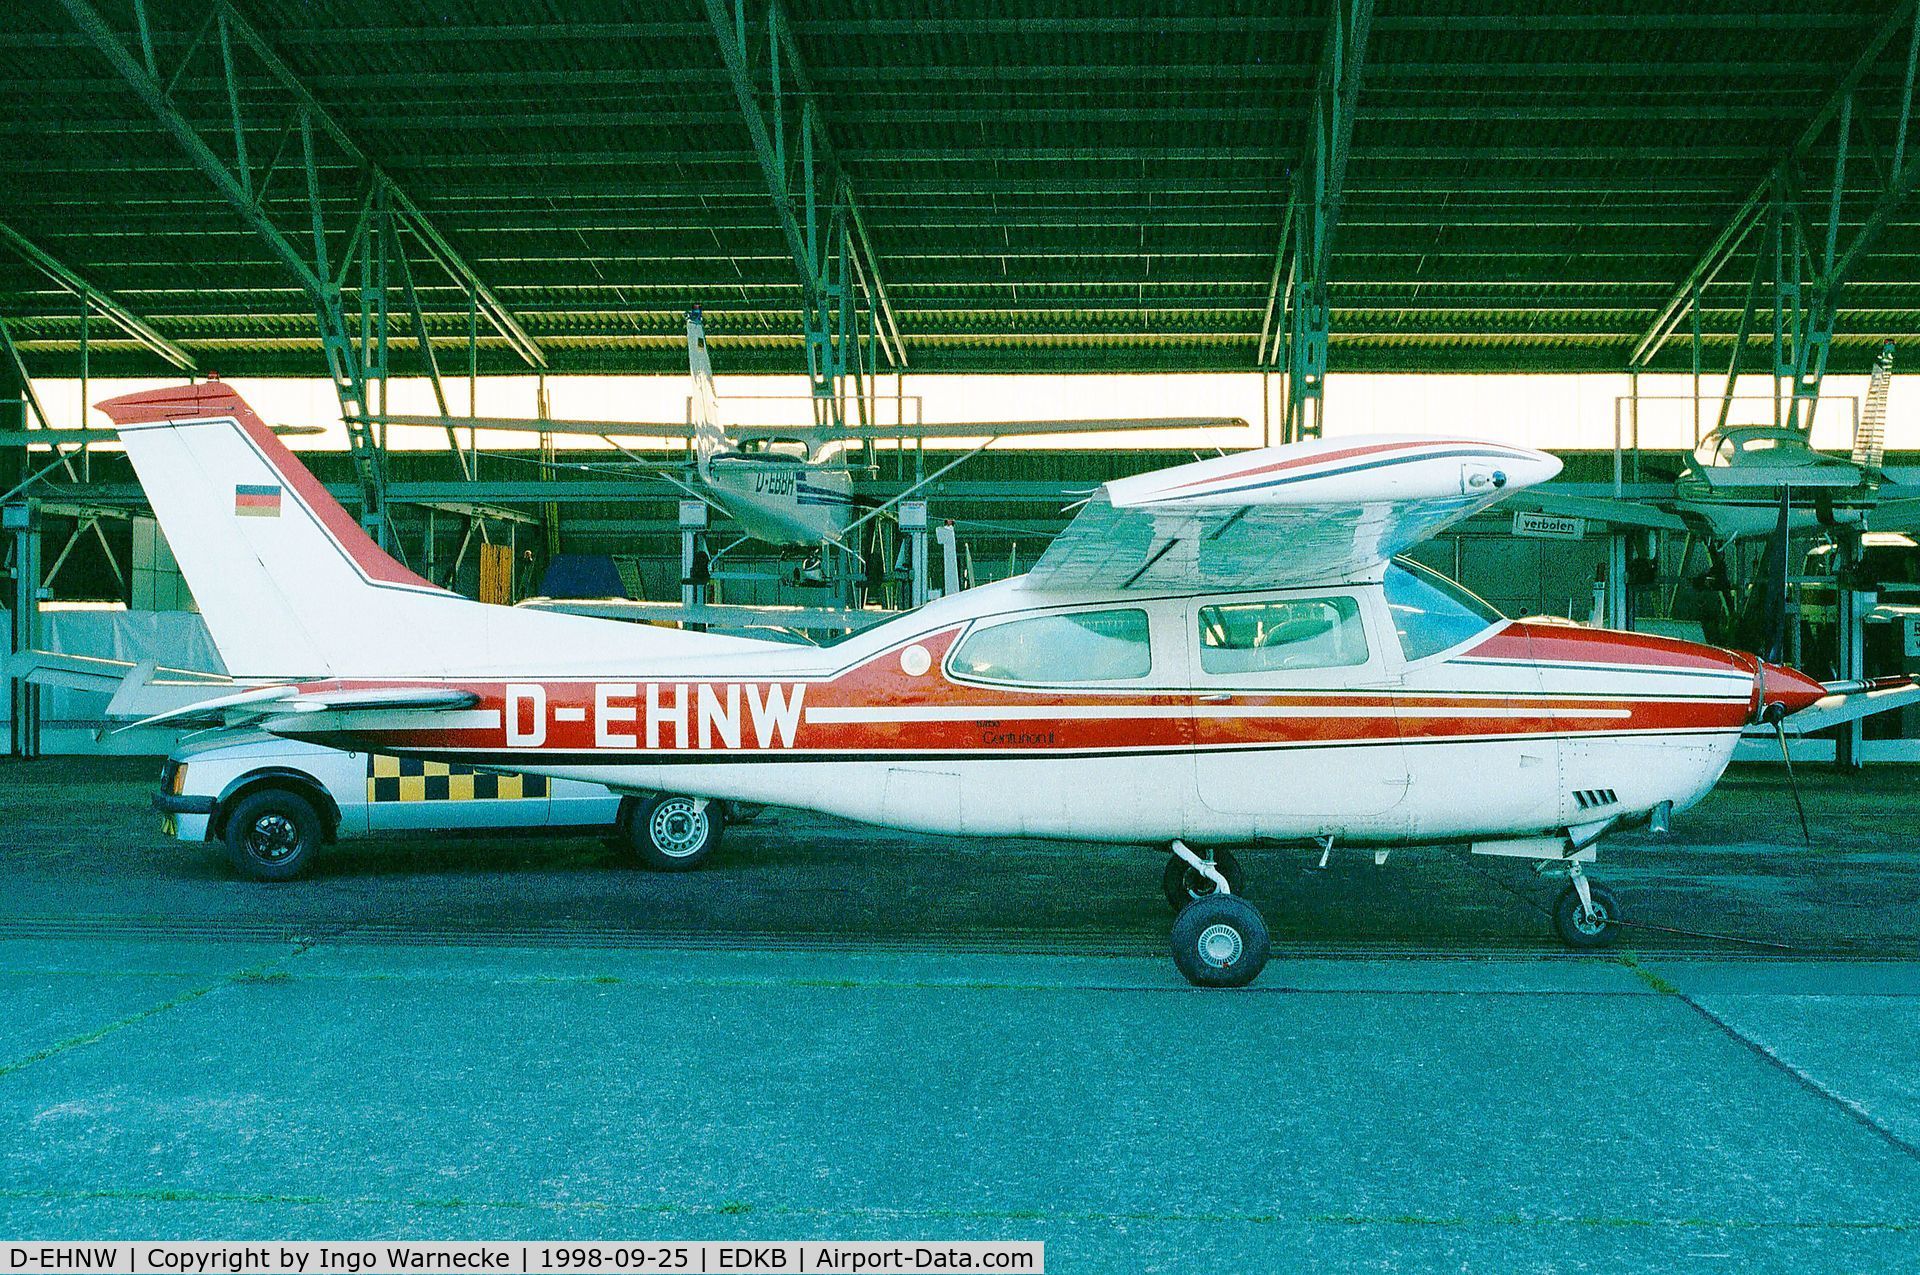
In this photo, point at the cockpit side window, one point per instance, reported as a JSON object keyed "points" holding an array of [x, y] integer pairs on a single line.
{"points": [[1286, 633], [1081, 646], [1430, 612]]}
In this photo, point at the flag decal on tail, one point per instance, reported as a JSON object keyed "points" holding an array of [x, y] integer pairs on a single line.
{"points": [[256, 500]]}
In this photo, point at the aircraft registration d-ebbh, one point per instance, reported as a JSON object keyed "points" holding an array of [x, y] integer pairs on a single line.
{"points": [[1214, 655]]}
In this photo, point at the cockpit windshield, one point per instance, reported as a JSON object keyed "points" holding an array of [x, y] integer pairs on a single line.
{"points": [[1431, 613]]}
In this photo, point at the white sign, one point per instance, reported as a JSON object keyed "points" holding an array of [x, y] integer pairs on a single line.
{"points": [[1913, 636], [1548, 526]]}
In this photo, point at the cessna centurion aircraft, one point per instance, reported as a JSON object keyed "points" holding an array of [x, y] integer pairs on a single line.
{"points": [[1218, 654]]}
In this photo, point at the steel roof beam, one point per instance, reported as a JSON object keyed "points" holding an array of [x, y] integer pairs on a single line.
{"points": [[444, 253], [797, 68], [797, 225], [236, 187], [116, 311], [1297, 291], [1626, 21], [1709, 264]]}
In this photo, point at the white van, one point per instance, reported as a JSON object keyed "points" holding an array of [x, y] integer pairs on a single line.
{"points": [[274, 802]]}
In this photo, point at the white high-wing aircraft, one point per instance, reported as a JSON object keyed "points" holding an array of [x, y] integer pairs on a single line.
{"points": [[785, 484], [1731, 487], [1213, 655]]}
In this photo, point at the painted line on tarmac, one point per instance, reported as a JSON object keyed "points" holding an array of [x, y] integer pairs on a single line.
{"points": [[101, 1033], [1853, 1109], [264, 972]]}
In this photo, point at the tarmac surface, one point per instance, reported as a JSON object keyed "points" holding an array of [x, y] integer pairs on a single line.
{"points": [[841, 1032]]}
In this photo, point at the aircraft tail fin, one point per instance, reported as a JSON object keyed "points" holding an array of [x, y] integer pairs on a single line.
{"points": [[708, 437], [289, 584], [1870, 439]]}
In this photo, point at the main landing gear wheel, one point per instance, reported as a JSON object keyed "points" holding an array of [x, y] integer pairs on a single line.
{"points": [[1584, 929], [1182, 883], [1219, 940], [670, 833]]}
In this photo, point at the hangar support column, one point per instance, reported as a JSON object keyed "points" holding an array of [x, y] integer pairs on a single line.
{"points": [[847, 318], [1811, 263], [1293, 333]]}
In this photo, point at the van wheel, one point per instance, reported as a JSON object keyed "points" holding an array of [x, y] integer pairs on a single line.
{"points": [[272, 834], [671, 833]]}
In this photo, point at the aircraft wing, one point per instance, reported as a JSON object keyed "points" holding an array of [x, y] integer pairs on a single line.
{"points": [[1022, 429], [1895, 515], [814, 433], [1774, 477], [1301, 514], [1619, 513], [527, 425]]}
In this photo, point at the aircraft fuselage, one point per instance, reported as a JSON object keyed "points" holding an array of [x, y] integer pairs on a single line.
{"points": [[778, 499], [1521, 729]]}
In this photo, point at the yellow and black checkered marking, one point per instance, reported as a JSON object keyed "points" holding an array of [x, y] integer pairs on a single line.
{"points": [[413, 779]]}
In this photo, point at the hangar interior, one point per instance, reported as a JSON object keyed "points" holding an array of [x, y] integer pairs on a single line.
{"points": [[873, 197]]}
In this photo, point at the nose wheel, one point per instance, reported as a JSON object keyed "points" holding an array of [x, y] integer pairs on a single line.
{"points": [[1585, 916]]}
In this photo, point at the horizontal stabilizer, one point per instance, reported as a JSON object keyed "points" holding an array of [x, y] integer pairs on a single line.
{"points": [[275, 701]]}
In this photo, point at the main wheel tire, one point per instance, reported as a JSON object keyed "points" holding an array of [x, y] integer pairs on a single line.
{"points": [[1219, 940], [273, 834], [1182, 883], [1578, 930], [671, 833]]}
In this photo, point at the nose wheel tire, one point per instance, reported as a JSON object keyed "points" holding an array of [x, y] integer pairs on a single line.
{"points": [[1182, 883], [1219, 940], [272, 835], [1585, 930], [670, 833]]}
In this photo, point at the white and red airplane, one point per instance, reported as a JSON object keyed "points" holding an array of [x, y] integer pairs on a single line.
{"points": [[1214, 655]]}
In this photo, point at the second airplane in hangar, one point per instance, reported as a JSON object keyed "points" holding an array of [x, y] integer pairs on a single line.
{"points": [[1213, 655], [787, 485]]}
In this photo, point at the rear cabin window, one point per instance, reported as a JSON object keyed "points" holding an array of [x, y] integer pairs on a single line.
{"points": [[1086, 646], [1291, 633], [1430, 612]]}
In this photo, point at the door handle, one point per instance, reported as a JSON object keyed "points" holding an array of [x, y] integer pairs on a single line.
{"points": [[1218, 697]]}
